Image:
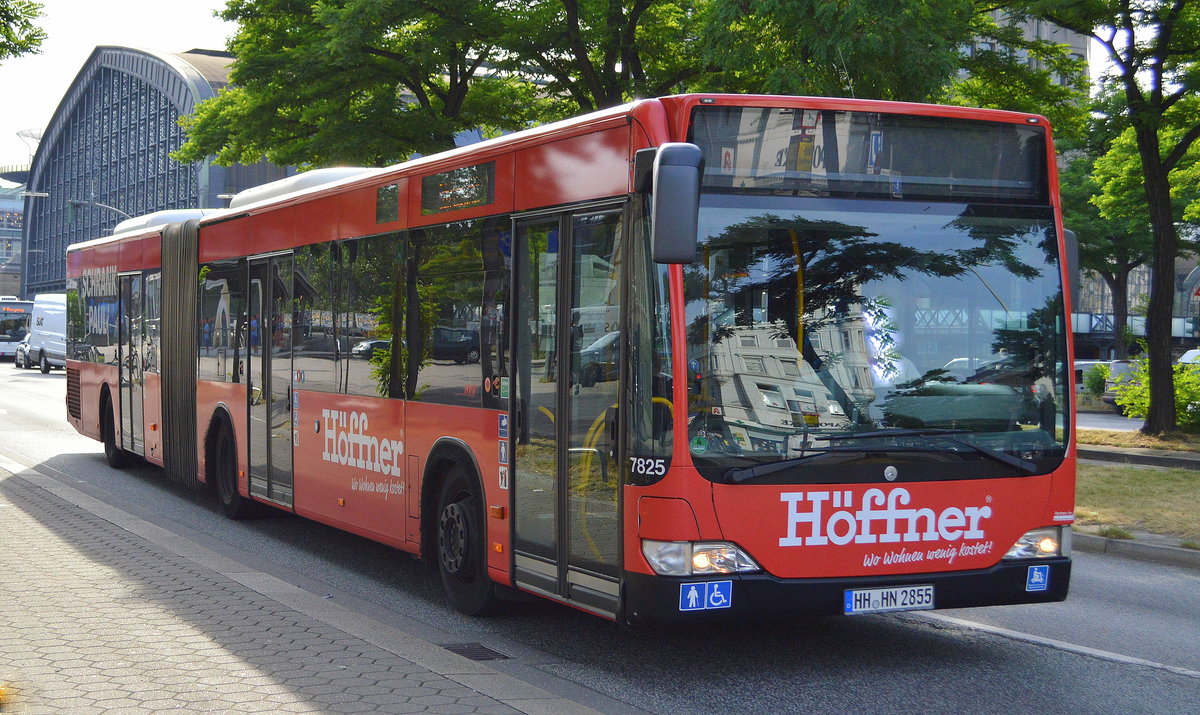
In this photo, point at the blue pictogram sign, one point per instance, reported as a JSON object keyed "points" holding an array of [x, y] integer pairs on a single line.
{"points": [[705, 596], [1037, 578]]}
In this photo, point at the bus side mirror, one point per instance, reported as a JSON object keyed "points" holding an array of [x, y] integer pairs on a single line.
{"points": [[675, 204], [1071, 242]]}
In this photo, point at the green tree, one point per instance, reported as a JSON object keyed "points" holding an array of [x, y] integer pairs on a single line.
{"points": [[1110, 248], [1121, 205], [321, 82], [1154, 47], [601, 53], [1006, 70], [950, 51], [318, 82], [887, 49], [18, 34]]}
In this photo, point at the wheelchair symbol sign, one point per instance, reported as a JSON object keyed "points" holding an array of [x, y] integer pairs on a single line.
{"points": [[705, 596], [1037, 578]]}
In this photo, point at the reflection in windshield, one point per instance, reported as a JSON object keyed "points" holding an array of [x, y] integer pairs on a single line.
{"points": [[807, 325]]}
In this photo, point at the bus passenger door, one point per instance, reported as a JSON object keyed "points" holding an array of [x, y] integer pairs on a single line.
{"points": [[130, 364], [270, 383], [565, 474]]}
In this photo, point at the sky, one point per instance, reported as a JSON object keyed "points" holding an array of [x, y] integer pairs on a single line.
{"points": [[33, 85]]}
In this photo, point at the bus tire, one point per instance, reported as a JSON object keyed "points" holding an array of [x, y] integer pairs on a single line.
{"points": [[116, 457], [461, 552], [224, 477]]}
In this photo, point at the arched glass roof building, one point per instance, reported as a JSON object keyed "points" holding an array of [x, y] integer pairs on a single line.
{"points": [[106, 153]]}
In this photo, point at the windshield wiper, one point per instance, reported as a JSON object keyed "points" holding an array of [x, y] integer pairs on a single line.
{"points": [[1022, 465], [743, 474]]}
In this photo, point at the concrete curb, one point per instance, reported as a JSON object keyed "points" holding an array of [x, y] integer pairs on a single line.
{"points": [[1130, 457], [1170, 555]]}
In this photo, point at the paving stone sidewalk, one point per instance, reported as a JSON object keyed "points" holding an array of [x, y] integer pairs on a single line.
{"points": [[97, 619]]}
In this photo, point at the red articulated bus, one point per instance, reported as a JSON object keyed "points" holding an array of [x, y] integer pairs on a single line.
{"points": [[691, 358]]}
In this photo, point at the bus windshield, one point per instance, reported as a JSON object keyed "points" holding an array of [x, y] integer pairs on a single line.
{"points": [[14, 321], [839, 336]]}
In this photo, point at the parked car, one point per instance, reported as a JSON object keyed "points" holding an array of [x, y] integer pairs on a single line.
{"points": [[1119, 371], [47, 339], [1191, 357], [458, 344], [368, 348], [1081, 367], [21, 356]]}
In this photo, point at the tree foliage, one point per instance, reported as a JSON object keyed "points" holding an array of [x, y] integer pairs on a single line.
{"points": [[601, 53], [357, 81], [1112, 248], [887, 49], [319, 82], [18, 33], [1133, 392], [1154, 46], [1006, 70]]}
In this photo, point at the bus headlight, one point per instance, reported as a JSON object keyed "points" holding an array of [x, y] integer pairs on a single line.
{"points": [[1042, 543], [696, 558]]}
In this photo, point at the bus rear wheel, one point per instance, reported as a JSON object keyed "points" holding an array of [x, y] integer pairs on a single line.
{"points": [[462, 558], [116, 457], [224, 477]]}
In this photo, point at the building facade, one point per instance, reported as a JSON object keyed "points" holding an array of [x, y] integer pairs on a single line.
{"points": [[105, 155]]}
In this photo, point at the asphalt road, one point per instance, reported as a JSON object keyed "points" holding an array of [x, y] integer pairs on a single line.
{"points": [[1107, 420], [1125, 641]]}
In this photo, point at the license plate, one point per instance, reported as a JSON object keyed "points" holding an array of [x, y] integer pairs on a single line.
{"points": [[886, 600]]}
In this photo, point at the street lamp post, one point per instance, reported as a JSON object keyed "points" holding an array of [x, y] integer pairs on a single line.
{"points": [[72, 204], [79, 202]]}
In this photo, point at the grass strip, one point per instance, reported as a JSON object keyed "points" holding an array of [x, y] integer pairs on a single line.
{"points": [[1115, 438], [1161, 501]]}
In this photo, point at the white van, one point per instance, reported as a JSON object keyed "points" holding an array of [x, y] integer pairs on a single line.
{"points": [[47, 339]]}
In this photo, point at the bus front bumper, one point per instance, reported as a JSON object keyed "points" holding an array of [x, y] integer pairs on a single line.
{"points": [[739, 597]]}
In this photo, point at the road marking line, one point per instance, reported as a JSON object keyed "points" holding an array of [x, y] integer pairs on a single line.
{"points": [[10, 466], [1060, 645]]}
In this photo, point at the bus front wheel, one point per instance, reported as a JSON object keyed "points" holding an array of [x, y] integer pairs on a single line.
{"points": [[461, 554]]}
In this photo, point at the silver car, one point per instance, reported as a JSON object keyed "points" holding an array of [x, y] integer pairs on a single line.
{"points": [[1119, 371]]}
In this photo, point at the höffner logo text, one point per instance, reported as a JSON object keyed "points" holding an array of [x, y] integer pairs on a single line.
{"points": [[882, 518], [347, 442]]}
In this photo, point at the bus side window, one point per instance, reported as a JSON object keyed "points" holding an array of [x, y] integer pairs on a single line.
{"points": [[312, 319], [220, 317], [449, 273], [365, 322]]}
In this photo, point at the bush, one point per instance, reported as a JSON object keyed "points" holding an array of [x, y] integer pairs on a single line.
{"points": [[1133, 393], [1094, 379]]}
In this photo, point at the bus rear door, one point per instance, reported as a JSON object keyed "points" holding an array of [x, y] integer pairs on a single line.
{"points": [[131, 363], [270, 388]]}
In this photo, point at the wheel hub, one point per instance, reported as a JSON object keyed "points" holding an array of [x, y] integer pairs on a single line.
{"points": [[452, 542]]}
